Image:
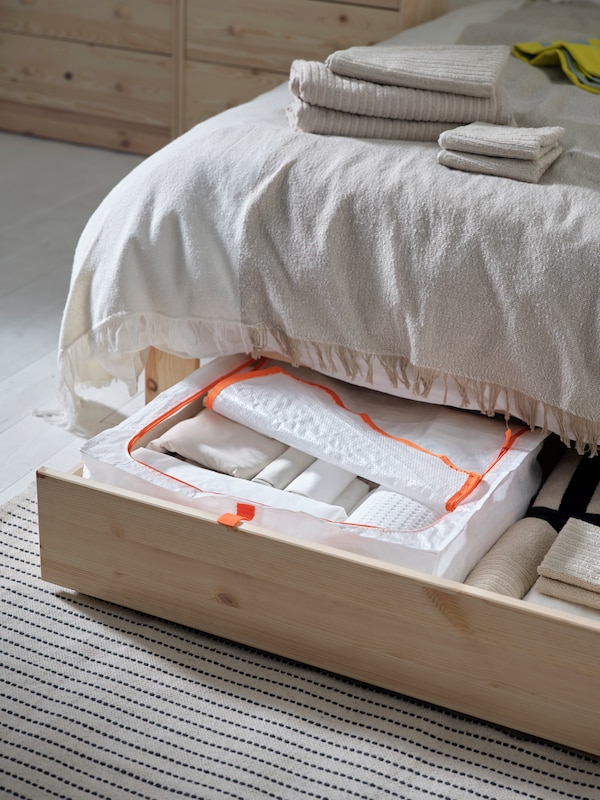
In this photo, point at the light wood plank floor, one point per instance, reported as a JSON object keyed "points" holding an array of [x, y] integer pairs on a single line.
{"points": [[47, 192]]}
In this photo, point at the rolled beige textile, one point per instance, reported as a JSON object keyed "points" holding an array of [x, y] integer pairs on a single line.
{"points": [[510, 566]]}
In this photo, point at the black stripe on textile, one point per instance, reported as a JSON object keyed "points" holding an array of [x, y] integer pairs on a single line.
{"points": [[577, 496]]}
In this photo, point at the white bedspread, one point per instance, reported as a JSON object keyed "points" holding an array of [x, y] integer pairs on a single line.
{"points": [[364, 259]]}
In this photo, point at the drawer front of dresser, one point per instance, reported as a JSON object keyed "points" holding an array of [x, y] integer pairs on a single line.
{"points": [[115, 84], [267, 35], [132, 24]]}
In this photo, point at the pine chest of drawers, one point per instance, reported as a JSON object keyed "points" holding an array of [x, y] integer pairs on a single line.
{"points": [[133, 74]]}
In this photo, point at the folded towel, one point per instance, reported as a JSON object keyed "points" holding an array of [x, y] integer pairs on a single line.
{"points": [[530, 144], [282, 471], [321, 481], [574, 556], [567, 592], [515, 168], [313, 119], [580, 61], [462, 69], [317, 85], [392, 511], [510, 566], [218, 443]]}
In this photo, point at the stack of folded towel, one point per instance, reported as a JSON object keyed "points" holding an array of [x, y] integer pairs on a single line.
{"points": [[411, 93], [562, 525], [571, 568], [523, 154]]}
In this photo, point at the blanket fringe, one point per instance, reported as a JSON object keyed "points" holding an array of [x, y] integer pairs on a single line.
{"points": [[118, 349], [490, 399]]}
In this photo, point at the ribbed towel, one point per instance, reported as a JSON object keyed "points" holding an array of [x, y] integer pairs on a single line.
{"points": [[574, 557], [530, 144], [567, 592], [515, 168], [462, 69], [317, 85], [510, 566], [313, 119], [580, 61]]}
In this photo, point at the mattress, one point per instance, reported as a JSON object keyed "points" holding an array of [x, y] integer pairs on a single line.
{"points": [[411, 454]]}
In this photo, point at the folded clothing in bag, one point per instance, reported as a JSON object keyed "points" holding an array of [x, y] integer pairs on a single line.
{"points": [[414, 449], [433, 539], [219, 443]]}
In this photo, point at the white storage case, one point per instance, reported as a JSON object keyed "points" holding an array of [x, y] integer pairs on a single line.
{"points": [[444, 543]]}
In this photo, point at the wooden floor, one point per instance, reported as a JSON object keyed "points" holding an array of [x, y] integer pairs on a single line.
{"points": [[47, 192]]}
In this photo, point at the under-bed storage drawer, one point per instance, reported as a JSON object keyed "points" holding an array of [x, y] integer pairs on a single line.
{"points": [[500, 659]]}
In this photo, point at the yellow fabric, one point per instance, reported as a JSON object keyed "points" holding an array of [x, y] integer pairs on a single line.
{"points": [[580, 61]]}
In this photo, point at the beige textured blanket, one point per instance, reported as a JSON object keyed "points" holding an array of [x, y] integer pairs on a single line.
{"points": [[370, 251]]}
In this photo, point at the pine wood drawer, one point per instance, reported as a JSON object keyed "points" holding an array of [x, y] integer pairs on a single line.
{"points": [[132, 24], [268, 35], [87, 93], [504, 660]]}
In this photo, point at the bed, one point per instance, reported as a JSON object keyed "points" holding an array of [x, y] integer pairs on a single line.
{"points": [[190, 254], [367, 261]]}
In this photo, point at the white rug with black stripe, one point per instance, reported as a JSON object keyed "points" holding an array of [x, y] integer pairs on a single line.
{"points": [[102, 702]]}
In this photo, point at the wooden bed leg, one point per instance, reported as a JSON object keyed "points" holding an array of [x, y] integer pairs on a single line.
{"points": [[163, 370]]}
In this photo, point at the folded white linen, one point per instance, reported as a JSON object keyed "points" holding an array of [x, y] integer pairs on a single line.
{"points": [[219, 443], [326, 121], [282, 471], [219, 493], [351, 496], [574, 557], [321, 481], [391, 511], [462, 69], [483, 138], [315, 84], [515, 168]]}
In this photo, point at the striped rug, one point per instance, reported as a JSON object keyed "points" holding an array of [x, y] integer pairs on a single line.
{"points": [[102, 702]]}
